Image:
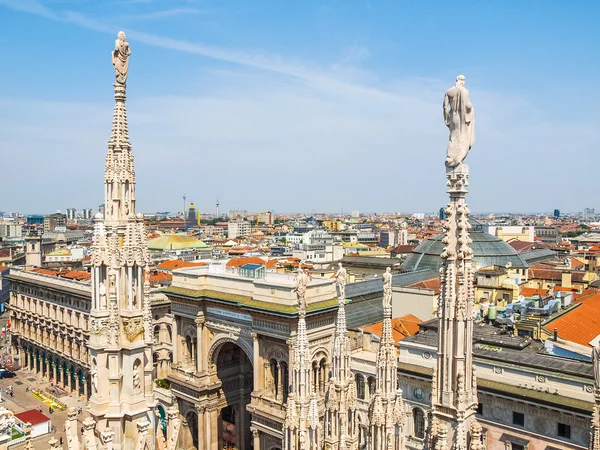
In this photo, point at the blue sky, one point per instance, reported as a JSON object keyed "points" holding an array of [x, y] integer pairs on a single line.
{"points": [[301, 106]]}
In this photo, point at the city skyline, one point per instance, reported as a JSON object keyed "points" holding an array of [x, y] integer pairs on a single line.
{"points": [[298, 107]]}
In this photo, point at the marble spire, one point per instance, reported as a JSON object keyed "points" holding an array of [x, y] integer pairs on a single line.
{"points": [[341, 400], [454, 395], [301, 428], [120, 317], [386, 412]]}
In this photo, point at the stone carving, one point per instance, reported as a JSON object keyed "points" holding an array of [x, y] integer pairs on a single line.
{"points": [[94, 377], [132, 328], [387, 288], [300, 288], [341, 278], [120, 58], [137, 383], [98, 327], [460, 120]]}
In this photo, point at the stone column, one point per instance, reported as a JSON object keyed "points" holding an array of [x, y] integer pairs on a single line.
{"points": [[54, 370], [279, 382], [77, 383], [208, 429], [48, 368], [255, 438], [201, 420], [174, 341], [85, 387], [255, 362], [200, 354], [266, 378]]}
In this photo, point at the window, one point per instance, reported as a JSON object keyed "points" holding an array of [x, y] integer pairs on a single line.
{"points": [[518, 419], [480, 409], [419, 423], [564, 431], [360, 386], [514, 446]]}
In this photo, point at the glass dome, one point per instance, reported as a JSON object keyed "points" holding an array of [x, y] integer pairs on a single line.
{"points": [[488, 251]]}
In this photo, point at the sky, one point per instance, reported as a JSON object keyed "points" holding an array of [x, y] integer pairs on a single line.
{"points": [[312, 106]]}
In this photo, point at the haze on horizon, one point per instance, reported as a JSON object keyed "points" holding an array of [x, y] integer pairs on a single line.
{"points": [[301, 106]]}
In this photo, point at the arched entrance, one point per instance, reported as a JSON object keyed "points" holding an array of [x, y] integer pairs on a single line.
{"points": [[234, 371]]}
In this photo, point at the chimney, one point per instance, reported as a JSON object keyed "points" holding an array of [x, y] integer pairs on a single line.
{"points": [[566, 279], [556, 335]]}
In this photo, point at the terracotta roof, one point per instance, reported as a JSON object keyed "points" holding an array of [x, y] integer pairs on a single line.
{"points": [[530, 292], [160, 277], [521, 246], [173, 264], [582, 323], [555, 275], [237, 262], [51, 273], [33, 416], [433, 284], [576, 263], [403, 249], [401, 327], [76, 275]]}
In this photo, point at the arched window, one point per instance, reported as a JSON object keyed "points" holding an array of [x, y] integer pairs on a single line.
{"points": [[156, 334], [419, 423], [360, 386], [372, 384]]}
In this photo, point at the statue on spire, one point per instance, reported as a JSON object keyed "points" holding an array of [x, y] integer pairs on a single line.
{"points": [[300, 289], [120, 58], [460, 120]]}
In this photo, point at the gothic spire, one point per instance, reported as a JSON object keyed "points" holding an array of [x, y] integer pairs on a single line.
{"points": [[341, 426], [454, 396], [301, 426], [595, 425], [386, 412]]}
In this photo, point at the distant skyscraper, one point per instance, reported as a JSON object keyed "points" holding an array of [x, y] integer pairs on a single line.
{"points": [[556, 213], [86, 213], [588, 214], [217, 211], [192, 216], [443, 215], [71, 213]]}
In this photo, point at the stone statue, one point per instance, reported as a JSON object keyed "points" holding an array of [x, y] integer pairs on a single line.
{"points": [[460, 120], [300, 288], [102, 290], [341, 278], [137, 384], [387, 288], [94, 378], [120, 58]]}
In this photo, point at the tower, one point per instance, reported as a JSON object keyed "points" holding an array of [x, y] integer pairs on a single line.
{"points": [[301, 428], [120, 317], [454, 391], [386, 411], [341, 421], [33, 250], [217, 205]]}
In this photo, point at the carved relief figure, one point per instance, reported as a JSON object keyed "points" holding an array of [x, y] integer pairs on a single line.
{"points": [[300, 288], [460, 120], [120, 58], [94, 377], [137, 383]]}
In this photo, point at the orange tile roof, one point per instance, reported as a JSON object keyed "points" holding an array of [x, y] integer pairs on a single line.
{"points": [[402, 327], [173, 264], [580, 324], [433, 284], [76, 275], [52, 273], [530, 292], [238, 262], [160, 277]]}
